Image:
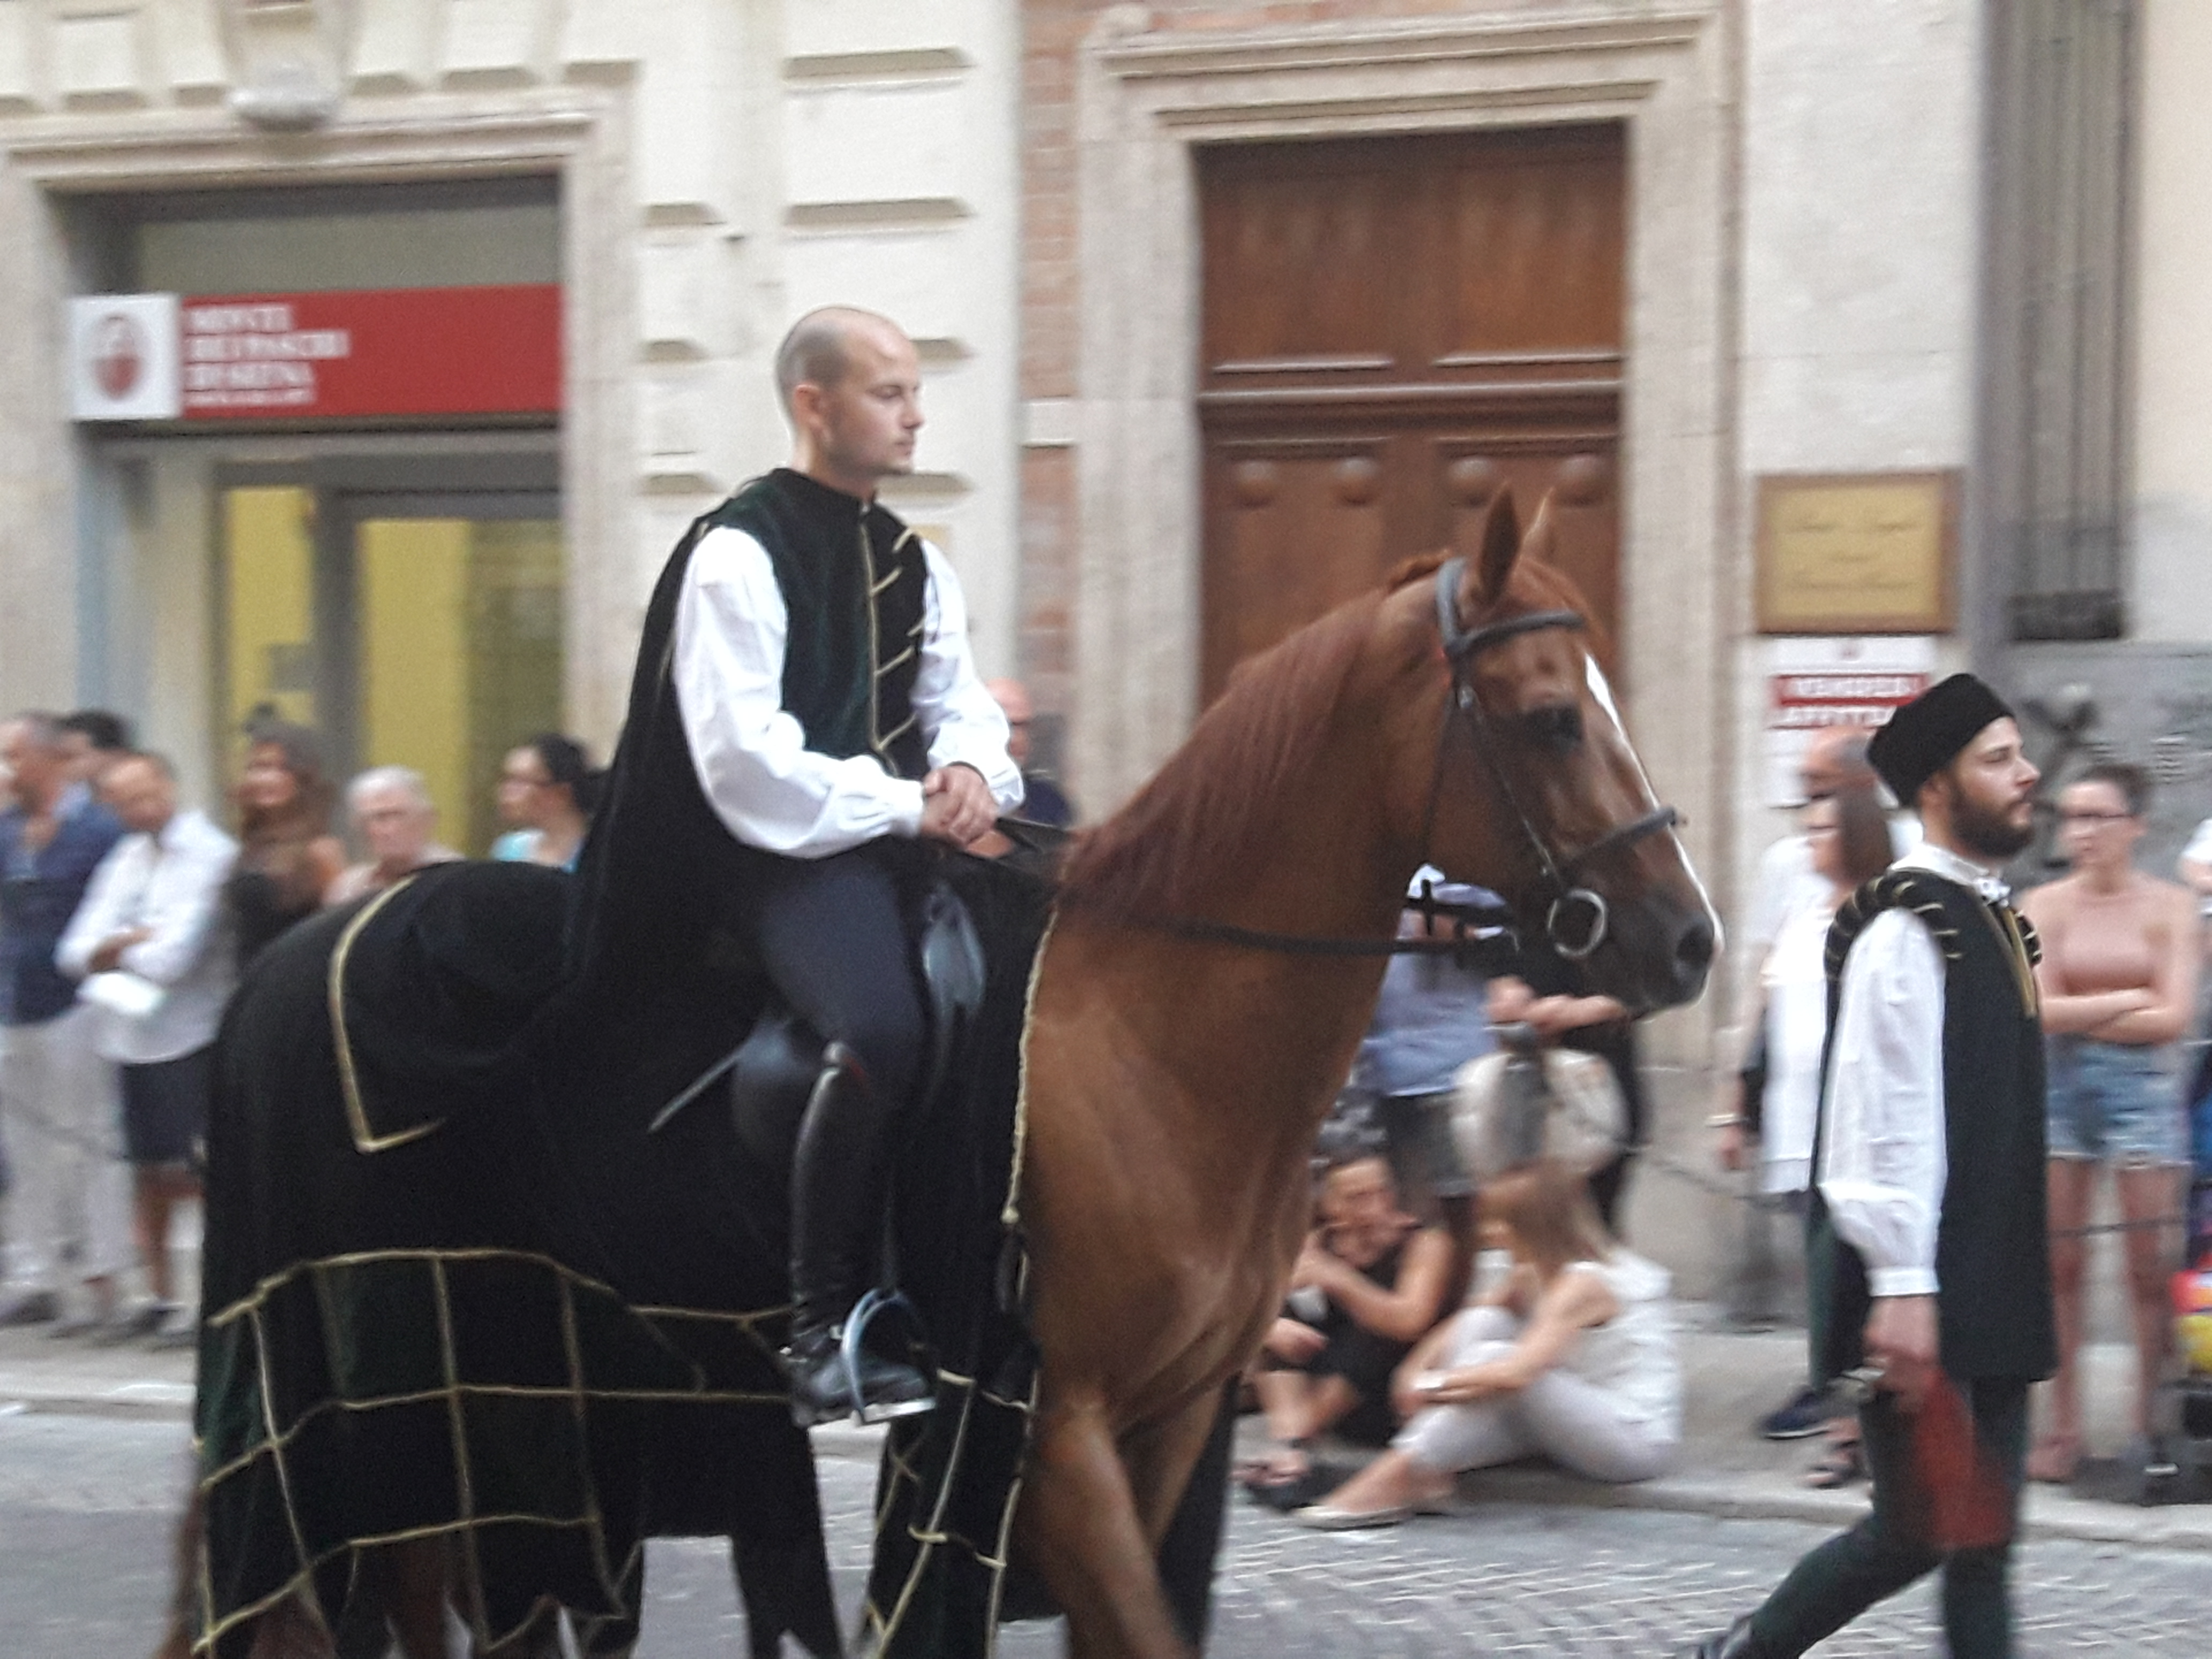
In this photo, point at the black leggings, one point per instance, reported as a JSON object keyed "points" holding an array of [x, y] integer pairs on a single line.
{"points": [[832, 936]]}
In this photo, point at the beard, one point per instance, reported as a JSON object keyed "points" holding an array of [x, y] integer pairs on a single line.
{"points": [[1987, 830]]}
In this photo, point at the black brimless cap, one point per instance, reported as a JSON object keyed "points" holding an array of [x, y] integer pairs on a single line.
{"points": [[1921, 737]]}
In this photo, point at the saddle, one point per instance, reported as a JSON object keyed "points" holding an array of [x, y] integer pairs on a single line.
{"points": [[768, 1076]]}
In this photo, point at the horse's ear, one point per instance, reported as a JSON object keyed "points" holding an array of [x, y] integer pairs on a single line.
{"points": [[1543, 534], [1492, 566]]}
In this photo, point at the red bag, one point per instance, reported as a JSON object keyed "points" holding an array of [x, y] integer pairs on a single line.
{"points": [[1968, 1501]]}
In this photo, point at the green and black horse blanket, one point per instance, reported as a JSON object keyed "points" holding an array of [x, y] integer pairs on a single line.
{"points": [[455, 1290]]}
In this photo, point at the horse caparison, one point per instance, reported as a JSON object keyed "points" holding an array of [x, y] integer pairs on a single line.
{"points": [[1175, 1083]]}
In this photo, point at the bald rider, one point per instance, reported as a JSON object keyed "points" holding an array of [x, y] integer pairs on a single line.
{"points": [[831, 706]]}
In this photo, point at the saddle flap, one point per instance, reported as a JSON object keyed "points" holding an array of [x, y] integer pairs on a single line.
{"points": [[771, 1076], [953, 967]]}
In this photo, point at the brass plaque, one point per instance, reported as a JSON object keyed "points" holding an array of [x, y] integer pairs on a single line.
{"points": [[1863, 553]]}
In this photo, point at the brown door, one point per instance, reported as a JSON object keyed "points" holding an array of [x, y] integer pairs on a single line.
{"points": [[1393, 328]]}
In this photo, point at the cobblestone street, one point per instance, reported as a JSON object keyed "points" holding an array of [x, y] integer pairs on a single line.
{"points": [[86, 1503], [1522, 1579]]}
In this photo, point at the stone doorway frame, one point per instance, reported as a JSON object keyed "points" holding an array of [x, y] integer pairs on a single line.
{"points": [[1147, 99], [579, 134]]}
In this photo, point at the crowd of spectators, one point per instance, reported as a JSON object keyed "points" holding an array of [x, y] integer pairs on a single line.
{"points": [[1432, 1179], [126, 918], [1561, 1351]]}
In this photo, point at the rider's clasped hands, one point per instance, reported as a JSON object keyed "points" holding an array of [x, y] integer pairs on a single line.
{"points": [[955, 805]]}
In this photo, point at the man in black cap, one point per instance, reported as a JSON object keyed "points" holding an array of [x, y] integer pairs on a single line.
{"points": [[1928, 1262]]}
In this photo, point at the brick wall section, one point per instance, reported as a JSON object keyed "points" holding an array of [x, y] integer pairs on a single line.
{"points": [[1053, 32]]}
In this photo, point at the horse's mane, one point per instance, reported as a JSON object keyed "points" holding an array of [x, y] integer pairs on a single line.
{"points": [[1196, 824]]}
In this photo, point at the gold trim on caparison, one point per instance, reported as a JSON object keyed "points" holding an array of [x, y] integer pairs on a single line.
{"points": [[365, 1139]]}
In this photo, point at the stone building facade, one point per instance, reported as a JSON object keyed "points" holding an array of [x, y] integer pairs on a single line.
{"points": [[689, 174], [1769, 239], [1862, 240]]}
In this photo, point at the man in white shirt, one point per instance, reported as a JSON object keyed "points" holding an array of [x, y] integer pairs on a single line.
{"points": [[1928, 1247], [805, 701], [150, 945]]}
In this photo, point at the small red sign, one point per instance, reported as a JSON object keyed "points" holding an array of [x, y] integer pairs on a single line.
{"points": [[491, 350], [1839, 697]]}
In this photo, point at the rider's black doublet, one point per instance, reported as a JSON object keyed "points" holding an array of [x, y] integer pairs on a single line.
{"points": [[656, 873]]}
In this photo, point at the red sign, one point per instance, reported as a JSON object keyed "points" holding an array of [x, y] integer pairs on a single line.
{"points": [[1838, 696], [494, 351]]}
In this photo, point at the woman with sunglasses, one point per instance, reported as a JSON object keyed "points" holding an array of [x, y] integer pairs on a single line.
{"points": [[2119, 985], [548, 791]]}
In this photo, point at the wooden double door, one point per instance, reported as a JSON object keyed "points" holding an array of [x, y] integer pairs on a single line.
{"points": [[1393, 329]]}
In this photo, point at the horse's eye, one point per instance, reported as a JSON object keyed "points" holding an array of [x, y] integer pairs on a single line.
{"points": [[1559, 729]]}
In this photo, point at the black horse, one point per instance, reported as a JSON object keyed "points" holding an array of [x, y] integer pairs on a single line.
{"points": [[482, 1315]]}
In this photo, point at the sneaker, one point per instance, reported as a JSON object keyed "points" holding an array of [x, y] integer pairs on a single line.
{"points": [[30, 1307], [179, 1329], [1806, 1415], [142, 1321]]}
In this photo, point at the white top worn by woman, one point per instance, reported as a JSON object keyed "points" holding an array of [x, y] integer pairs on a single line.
{"points": [[1631, 1356], [1796, 980]]}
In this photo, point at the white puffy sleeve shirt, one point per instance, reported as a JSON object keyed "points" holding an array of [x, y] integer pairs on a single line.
{"points": [[769, 788]]}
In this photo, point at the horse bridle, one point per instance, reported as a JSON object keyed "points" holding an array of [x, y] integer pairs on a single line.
{"points": [[1567, 901]]}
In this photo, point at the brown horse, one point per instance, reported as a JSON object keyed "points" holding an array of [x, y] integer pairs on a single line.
{"points": [[1179, 1067]]}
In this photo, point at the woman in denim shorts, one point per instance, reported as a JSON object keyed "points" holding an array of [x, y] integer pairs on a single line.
{"points": [[2118, 980]]}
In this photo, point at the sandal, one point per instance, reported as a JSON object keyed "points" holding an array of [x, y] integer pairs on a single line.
{"points": [[1285, 1496], [1842, 1465], [1282, 1473]]}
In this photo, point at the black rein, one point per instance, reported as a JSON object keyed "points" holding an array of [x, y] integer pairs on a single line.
{"points": [[1461, 645]]}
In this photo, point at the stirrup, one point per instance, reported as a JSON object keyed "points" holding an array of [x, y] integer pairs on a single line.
{"points": [[876, 1301]]}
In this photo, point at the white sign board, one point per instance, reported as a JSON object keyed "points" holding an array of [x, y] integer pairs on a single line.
{"points": [[1815, 681], [123, 357]]}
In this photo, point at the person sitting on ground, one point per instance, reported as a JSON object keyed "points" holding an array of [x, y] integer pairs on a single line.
{"points": [[2118, 981], [1572, 1358], [548, 791], [1370, 1280], [1849, 845], [397, 820]]}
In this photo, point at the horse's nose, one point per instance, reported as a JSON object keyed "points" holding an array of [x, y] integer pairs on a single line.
{"points": [[1693, 955]]}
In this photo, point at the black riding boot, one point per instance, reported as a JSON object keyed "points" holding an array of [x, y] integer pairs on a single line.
{"points": [[837, 1188]]}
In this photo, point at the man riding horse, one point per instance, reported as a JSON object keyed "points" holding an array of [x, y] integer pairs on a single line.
{"points": [[825, 707]]}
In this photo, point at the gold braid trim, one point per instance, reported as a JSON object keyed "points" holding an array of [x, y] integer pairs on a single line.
{"points": [[1892, 889]]}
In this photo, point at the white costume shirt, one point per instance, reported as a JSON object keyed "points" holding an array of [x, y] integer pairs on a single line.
{"points": [[171, 885], [769, 788], [1882, 1156]]}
